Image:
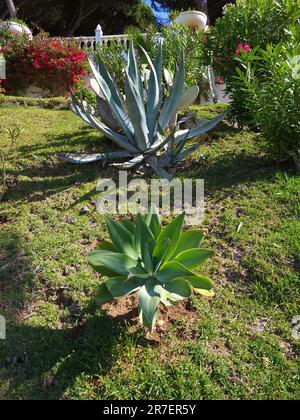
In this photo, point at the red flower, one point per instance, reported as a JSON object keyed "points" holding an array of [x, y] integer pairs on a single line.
{"points": [[37, 64], [240, 49], [47, 63], [78, 57], [56, 45], [220, 80]]}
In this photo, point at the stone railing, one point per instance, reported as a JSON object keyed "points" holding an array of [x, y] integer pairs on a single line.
{"points": [[83, 42], [86, 42]]}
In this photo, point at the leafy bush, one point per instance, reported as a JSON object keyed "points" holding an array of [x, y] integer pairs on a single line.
{"points": [[245, 25], [17, 20], [114, 56], [157, 263], [270, 83], [47, 63]]}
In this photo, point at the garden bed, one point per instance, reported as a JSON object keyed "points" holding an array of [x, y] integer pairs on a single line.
{"points": [[237, 345]]}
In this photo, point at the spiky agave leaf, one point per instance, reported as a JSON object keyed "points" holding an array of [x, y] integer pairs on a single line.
{"points": [[154, 94], [90, 158], [112, 96], [156, 263], [172, 101], [136, 112], [119, 139], [197, 131], [177, 150], [189, 97], [134, 72]]}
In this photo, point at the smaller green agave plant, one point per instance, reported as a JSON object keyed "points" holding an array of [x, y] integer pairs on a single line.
{"points": [[156, 263], [143, 124]]}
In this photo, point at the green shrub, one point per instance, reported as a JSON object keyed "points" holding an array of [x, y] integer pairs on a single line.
{"points": [[254, 23], [270, 83], [156, 263], [114, 57], [19, 21]]}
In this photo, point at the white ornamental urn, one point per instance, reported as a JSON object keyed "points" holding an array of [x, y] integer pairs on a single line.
{"points": [[18, 29], [193, 19]]}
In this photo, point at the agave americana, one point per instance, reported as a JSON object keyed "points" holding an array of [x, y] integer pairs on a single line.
{"points": [[143, 124]]}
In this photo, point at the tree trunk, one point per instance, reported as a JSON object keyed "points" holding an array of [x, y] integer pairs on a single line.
{"points": [[80, 16], [202, 5], [11, 8]]}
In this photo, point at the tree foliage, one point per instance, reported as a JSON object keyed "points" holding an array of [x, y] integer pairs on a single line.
{"points": [[80, 17], [213, 7]]}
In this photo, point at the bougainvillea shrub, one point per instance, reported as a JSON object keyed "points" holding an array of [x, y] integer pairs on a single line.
{"points": [[46, 63]]}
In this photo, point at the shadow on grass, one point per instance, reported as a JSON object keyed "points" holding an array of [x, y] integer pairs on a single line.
{"points": [[231, 169], [43, 181], [227, 171], [84, 139], [42, 363], [15, 269], [46, 177]]}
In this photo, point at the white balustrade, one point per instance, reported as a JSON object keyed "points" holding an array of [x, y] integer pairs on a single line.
{"points": [[86, 42]]}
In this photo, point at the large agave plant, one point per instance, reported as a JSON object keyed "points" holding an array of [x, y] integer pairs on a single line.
{"points": [[144, 122], [154, 262]]}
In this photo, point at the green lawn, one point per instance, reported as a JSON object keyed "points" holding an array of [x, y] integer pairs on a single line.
{"points": [[237, 345]]}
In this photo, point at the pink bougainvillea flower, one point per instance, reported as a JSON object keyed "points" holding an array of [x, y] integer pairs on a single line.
{"points": [[48, 63], [56, 45]]}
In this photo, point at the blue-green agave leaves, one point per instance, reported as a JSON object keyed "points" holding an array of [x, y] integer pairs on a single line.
{"points": [[153, 261], [137, 114], [112, 96], [173, 100], [146, 115], [154, 94]]}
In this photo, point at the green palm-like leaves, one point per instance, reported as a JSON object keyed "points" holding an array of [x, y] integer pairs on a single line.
{"points": [[146, 115], [156, 263]]}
